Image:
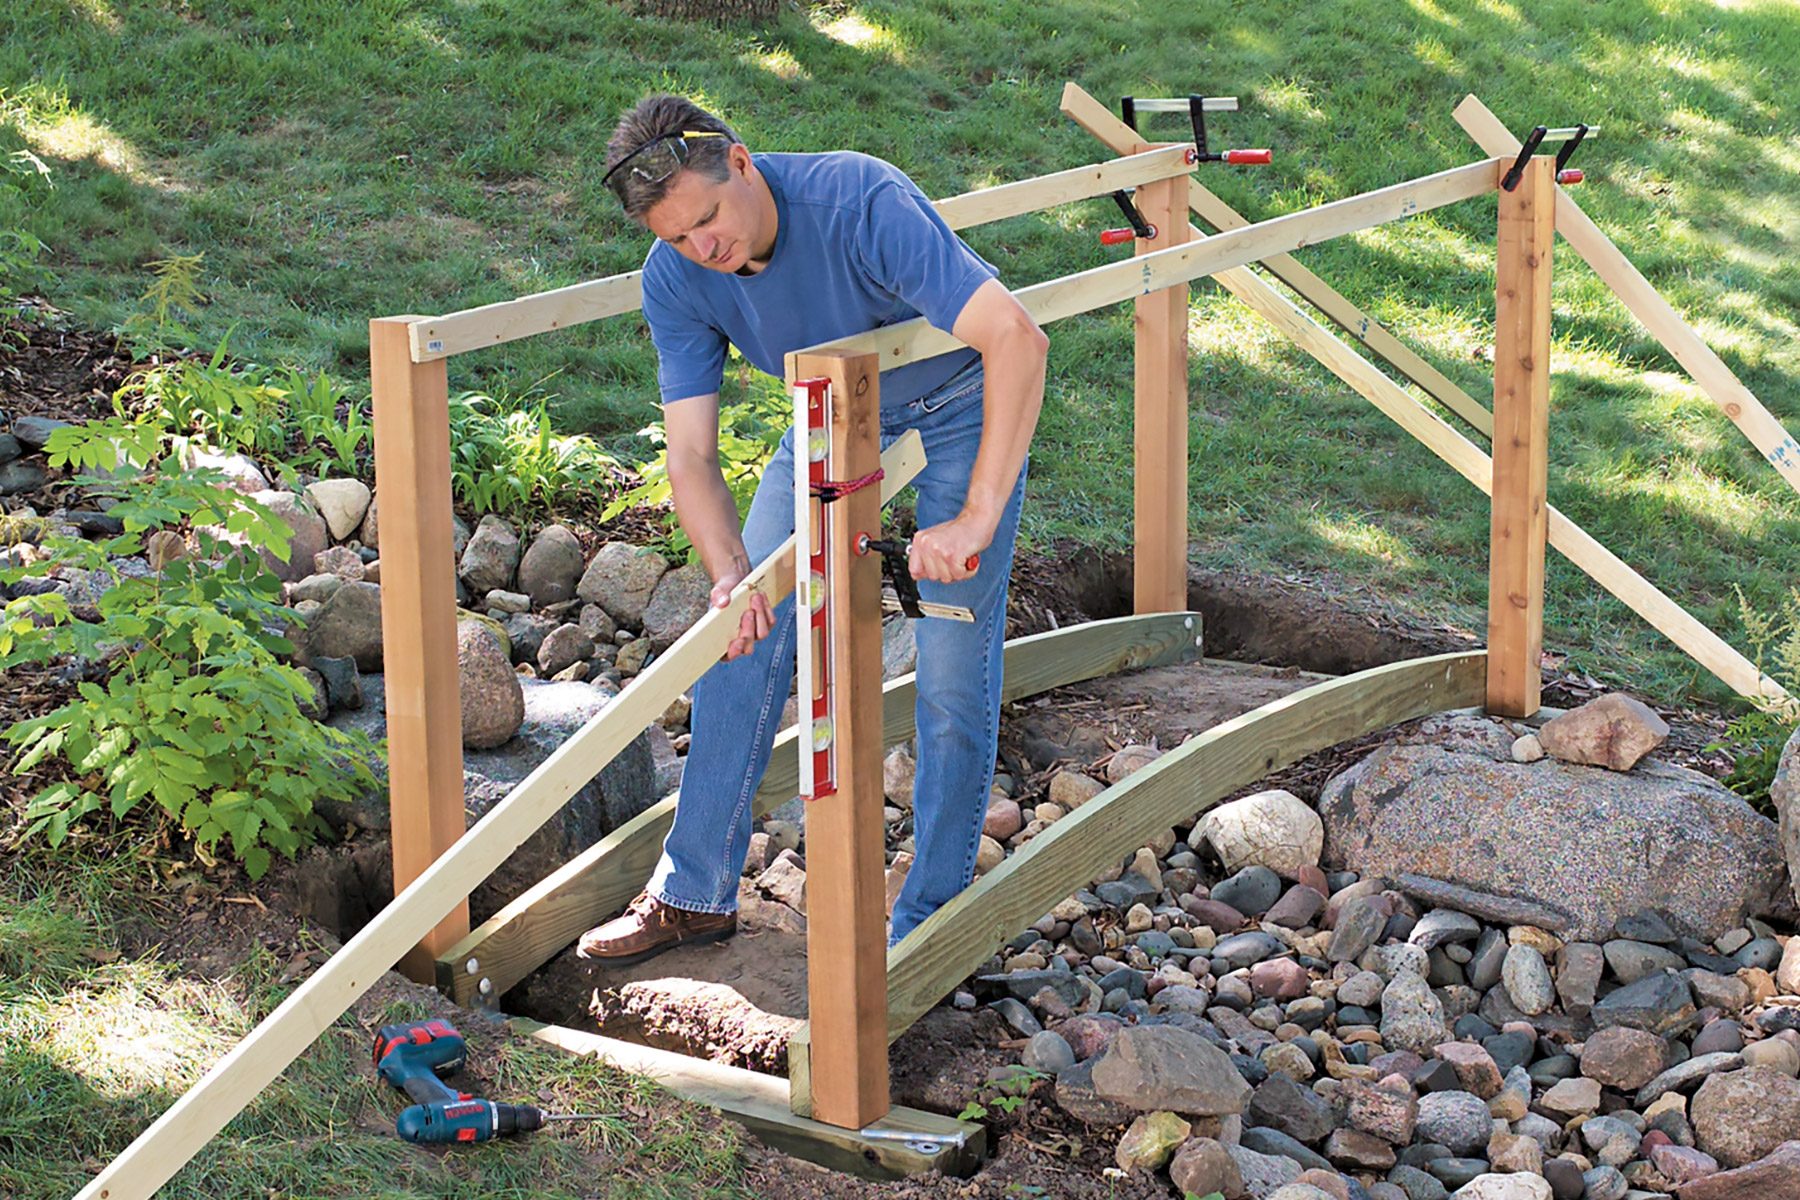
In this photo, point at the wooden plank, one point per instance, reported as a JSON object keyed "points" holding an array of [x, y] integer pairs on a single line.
{"points": [[1098, 120], [846, 926], [1647, 304], [249, 1066], [523, 936], [1519, 511], [957, 938], [1160, 420], [418, 615], [1066, 187], [560, 308], [907, 1141], [915, 340]]}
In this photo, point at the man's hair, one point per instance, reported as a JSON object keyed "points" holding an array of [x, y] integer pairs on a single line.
{"points": [[658, 116]]}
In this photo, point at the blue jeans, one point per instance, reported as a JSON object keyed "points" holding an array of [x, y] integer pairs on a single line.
{"points": [[737, 705]]}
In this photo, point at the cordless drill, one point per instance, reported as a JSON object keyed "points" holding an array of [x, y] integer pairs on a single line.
{"points": [[412, 1055]]}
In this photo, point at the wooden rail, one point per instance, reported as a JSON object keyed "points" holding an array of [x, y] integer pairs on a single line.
{"points": [[565, 307]]}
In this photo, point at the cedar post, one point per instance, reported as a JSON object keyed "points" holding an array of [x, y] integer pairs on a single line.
{"points": [[846, 912], [1521, 440], [418, 619], [1160, 425]]}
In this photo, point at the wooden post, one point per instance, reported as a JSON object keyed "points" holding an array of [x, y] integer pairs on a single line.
{"points": [[1160, 429], [1521, 440], [418, 619], [846, 912]]}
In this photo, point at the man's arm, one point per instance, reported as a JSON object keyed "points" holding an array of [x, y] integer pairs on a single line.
{"points": [[707, 512], [1013, 352]]}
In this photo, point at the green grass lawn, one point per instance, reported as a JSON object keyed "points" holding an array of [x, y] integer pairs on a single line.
{"points": [[340, 161]]}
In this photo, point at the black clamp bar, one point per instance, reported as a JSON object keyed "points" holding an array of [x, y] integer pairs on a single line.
{"points": [[1139, 226], [899, 573], [1571, 138]]}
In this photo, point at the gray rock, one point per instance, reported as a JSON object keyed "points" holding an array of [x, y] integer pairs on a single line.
{"points": [[20, 476], [562, 648], [1047, 1051], [1742, 1116], [1264, 1140], [1417, 1184], [1075, 1095], [1776, 1177], [1660, 1004], [1784, 792], [1685, 1074], [1358, 926], [1412, 1017], [1604, 1183], [1263, 1174], [1645, 925], [1527, 980], [1579, 966], [1624, 1058], [343, 686], [1424, 811], [1458, 1120], [1489, 960], [1502, 910], [343, 503], [1631, 961], [1241, 950], [680, 599], [1150, 1067], [620, 579], [525, 634], [1443, 927], [1251, 891], [491, 556], [34, 432], [1281, 1104], [1613, 731], [10, 449], [551, 566], [899, 647], [348, 625], [493, 700]]}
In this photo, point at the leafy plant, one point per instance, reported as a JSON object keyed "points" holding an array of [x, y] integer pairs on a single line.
{"points": [[220, 405], [188, 705], [174, 292], [1007, 1094], [748, 434], [1759, 735], [19, 248], [312, 407], [501, 459]]}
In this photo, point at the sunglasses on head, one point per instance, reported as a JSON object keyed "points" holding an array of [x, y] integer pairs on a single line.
{"points": [[655, 160]]}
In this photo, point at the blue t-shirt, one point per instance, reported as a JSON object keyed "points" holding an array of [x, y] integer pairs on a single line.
{"points": [[857, 246]]}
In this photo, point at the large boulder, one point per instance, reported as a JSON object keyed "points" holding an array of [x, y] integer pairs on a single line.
{"points": [[491, 556], [1660, 837], [348, 625], [681, 598], [550, 567], [624, 787], [1785, 792], [620, 579]]}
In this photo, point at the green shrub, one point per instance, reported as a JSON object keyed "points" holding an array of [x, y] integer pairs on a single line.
{"points": [[1757, 737], [748, 434], [220, 405], [512, 459], [21, 172], [174, 293], [194, 710]]}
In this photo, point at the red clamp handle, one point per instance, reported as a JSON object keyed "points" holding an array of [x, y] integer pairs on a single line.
{"points": [[972, 563], [1569, 175], [1249, 157], [1118, 237]]}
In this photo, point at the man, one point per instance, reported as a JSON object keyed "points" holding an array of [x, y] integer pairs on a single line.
{"points": [[771, 253]]}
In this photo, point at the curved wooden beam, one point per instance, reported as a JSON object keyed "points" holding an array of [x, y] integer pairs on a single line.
{"points": [[957, 938], [521, 937]]}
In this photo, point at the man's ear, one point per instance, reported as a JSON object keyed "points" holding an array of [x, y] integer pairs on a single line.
{"points": [[739, 157]]}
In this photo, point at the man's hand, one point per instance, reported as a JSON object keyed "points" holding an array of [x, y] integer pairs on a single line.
{"points": [[942, 552], [758, 619]]}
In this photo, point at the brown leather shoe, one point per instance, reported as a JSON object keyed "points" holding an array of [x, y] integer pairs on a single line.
{"points": [[647, 927]]}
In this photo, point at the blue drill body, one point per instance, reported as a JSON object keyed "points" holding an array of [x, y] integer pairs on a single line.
{"points": [[411, 1056]]}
